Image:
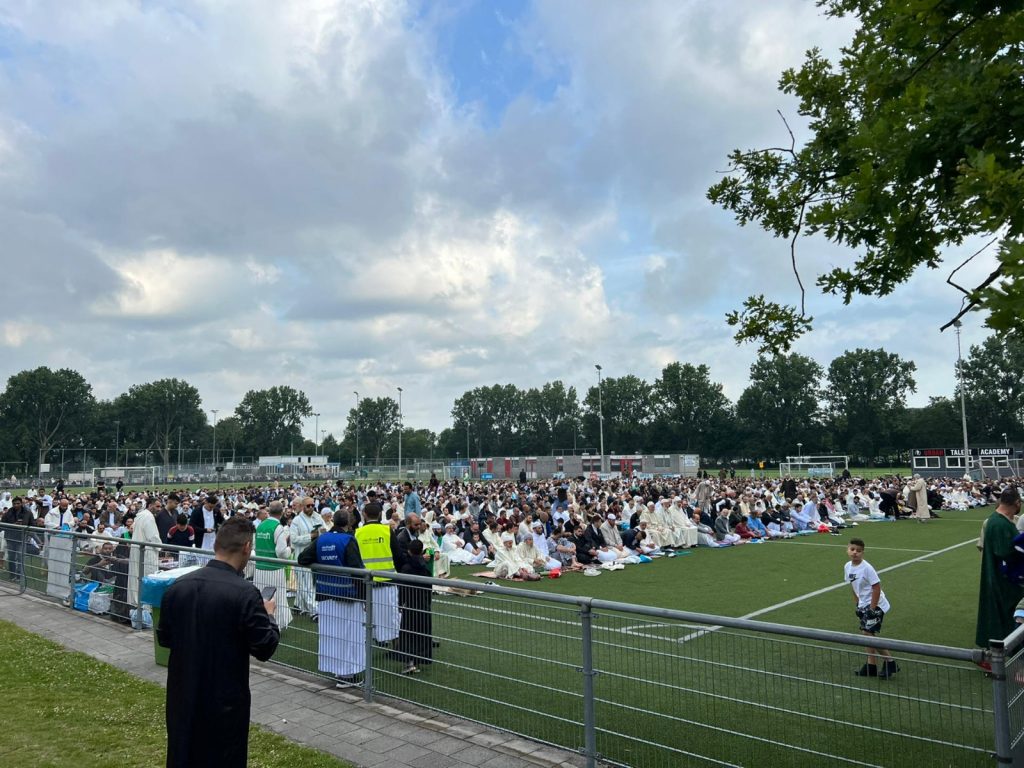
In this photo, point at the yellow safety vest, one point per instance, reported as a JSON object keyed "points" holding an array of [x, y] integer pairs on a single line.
{"points": [[374, 542]]}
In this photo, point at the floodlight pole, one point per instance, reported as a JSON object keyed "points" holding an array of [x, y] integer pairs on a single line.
{"points": [[400, 434], [963, 406], [357, 426], [214, 412], [600, 414], [799, 450], [316, 434]]}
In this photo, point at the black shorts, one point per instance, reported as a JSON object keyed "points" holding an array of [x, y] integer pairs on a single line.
{"points": [[871, 626]]}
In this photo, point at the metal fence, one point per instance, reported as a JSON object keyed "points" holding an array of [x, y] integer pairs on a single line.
{"points": [[620, 684]]}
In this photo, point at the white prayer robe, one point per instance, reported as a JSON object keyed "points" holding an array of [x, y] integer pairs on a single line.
{"points": [[655, 530], [508, 562], [684, 527], [144, 531], [59, 553], [342, 631], [442, 563], [302, 527], [454, 547]]}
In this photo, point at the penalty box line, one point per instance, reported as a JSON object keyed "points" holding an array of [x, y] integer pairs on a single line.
{"points": [[825, 590]]}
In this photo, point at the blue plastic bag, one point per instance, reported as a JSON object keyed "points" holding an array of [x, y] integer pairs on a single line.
{"points": [[82, 592]]}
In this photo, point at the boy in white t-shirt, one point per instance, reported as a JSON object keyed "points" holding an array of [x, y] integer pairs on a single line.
{"points": [[872, 606]]}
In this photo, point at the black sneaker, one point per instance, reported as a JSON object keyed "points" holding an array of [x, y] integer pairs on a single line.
{"points": [[868, 670], [889, 669], [347, 681]]}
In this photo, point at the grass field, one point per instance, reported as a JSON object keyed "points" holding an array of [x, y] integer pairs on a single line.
{"points": [[733, 697], [667, 693], [66, 710]]}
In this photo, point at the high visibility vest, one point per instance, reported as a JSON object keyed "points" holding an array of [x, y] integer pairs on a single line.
{"points": [[374, 542], [265, 546], [330, 550]]}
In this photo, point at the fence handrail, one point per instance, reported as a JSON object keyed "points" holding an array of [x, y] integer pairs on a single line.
{"points": [[712, 622]]}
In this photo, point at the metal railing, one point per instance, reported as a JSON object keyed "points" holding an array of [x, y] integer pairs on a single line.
{"points": [[620, 684]]}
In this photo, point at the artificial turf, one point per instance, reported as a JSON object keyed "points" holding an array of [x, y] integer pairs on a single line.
{"points": [[668, 695]]}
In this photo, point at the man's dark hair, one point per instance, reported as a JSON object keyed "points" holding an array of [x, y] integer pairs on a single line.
{"points": [[182, 519], [233, 535], [149, 502], [371, 494], [857, 543], [415, 547], [1009, 496], [407, 484], [173, 497], [211, 499], [371, 513], [340, 520]]}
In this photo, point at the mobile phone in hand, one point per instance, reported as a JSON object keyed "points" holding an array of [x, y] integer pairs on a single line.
{"points": [[268, 593]]}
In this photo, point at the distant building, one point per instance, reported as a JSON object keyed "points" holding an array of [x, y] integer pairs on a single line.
{"points": [[1001, 461], [540, 467]]}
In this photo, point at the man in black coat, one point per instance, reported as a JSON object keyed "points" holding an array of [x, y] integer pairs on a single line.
{"points": [[213, 620], [17, 514]]}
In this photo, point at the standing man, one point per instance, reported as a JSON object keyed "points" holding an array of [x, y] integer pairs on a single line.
{"points": [[59, 549], [165, 520], [378, 547], [213, 620], [998, 596], [144, 531], [919, 494], [340, 600], [18, 514], [272, 541], [205, 522], [307, 525], [413, 505]]}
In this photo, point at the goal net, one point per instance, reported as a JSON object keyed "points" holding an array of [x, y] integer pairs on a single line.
{"points": [[128, 475], [813, 466]]}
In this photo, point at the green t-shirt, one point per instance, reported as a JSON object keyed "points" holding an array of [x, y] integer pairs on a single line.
{"points": [[265, 546]]}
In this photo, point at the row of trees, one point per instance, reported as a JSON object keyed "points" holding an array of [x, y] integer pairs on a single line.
{"points": [[857, 406]]}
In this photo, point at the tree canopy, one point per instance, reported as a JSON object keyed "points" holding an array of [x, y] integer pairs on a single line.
{"points": [[917, 145]]}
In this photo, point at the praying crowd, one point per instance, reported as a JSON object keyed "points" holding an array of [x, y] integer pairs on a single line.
{"points": [[516, 530]]}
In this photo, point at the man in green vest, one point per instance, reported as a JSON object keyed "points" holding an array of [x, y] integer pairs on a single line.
{"points": [[272, 540], [378, 547], [998, 596]]}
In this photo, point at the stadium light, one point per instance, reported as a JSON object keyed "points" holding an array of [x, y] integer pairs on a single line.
{"points": [[400, 434], [1006, 443], [600, 414], [316, 434], [963, 407], [214, 412], [357, 426], [800, 450]]}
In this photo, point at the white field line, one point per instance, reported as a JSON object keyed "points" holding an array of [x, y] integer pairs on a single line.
{"points": [[873, 548], [824, 590]]}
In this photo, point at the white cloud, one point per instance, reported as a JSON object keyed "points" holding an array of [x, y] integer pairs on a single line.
{"points": [[296, 196]]}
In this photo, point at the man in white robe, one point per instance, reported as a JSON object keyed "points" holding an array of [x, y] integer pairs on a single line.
{"points": [[656, 532], [306, 527], [453, 546], [442, 563], [508, 564], [534, 549], [143, 560], [682, 525], [59, 550]]}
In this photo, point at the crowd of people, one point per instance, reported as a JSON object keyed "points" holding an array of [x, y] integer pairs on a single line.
{"points": [[518, 531]]}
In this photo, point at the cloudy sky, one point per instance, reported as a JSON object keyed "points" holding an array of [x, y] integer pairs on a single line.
{"points": [[362, 195]]}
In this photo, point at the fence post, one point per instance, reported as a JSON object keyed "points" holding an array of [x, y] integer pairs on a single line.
{"points": [[24, 549], [589, 725], [368, 673], [72, 569], [1000, 703], [137, 622]]}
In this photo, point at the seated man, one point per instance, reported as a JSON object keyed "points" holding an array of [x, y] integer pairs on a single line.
{"points": [[723, 534], [705, 534], [564, 549], [455, 547], [543, 548], [508, 564]]}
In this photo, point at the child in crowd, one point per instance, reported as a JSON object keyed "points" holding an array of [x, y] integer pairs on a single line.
{"points": [[871, 607]]}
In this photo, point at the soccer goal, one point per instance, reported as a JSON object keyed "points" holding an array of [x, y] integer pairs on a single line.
{"points": [[813, 466], [128, 475]]}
